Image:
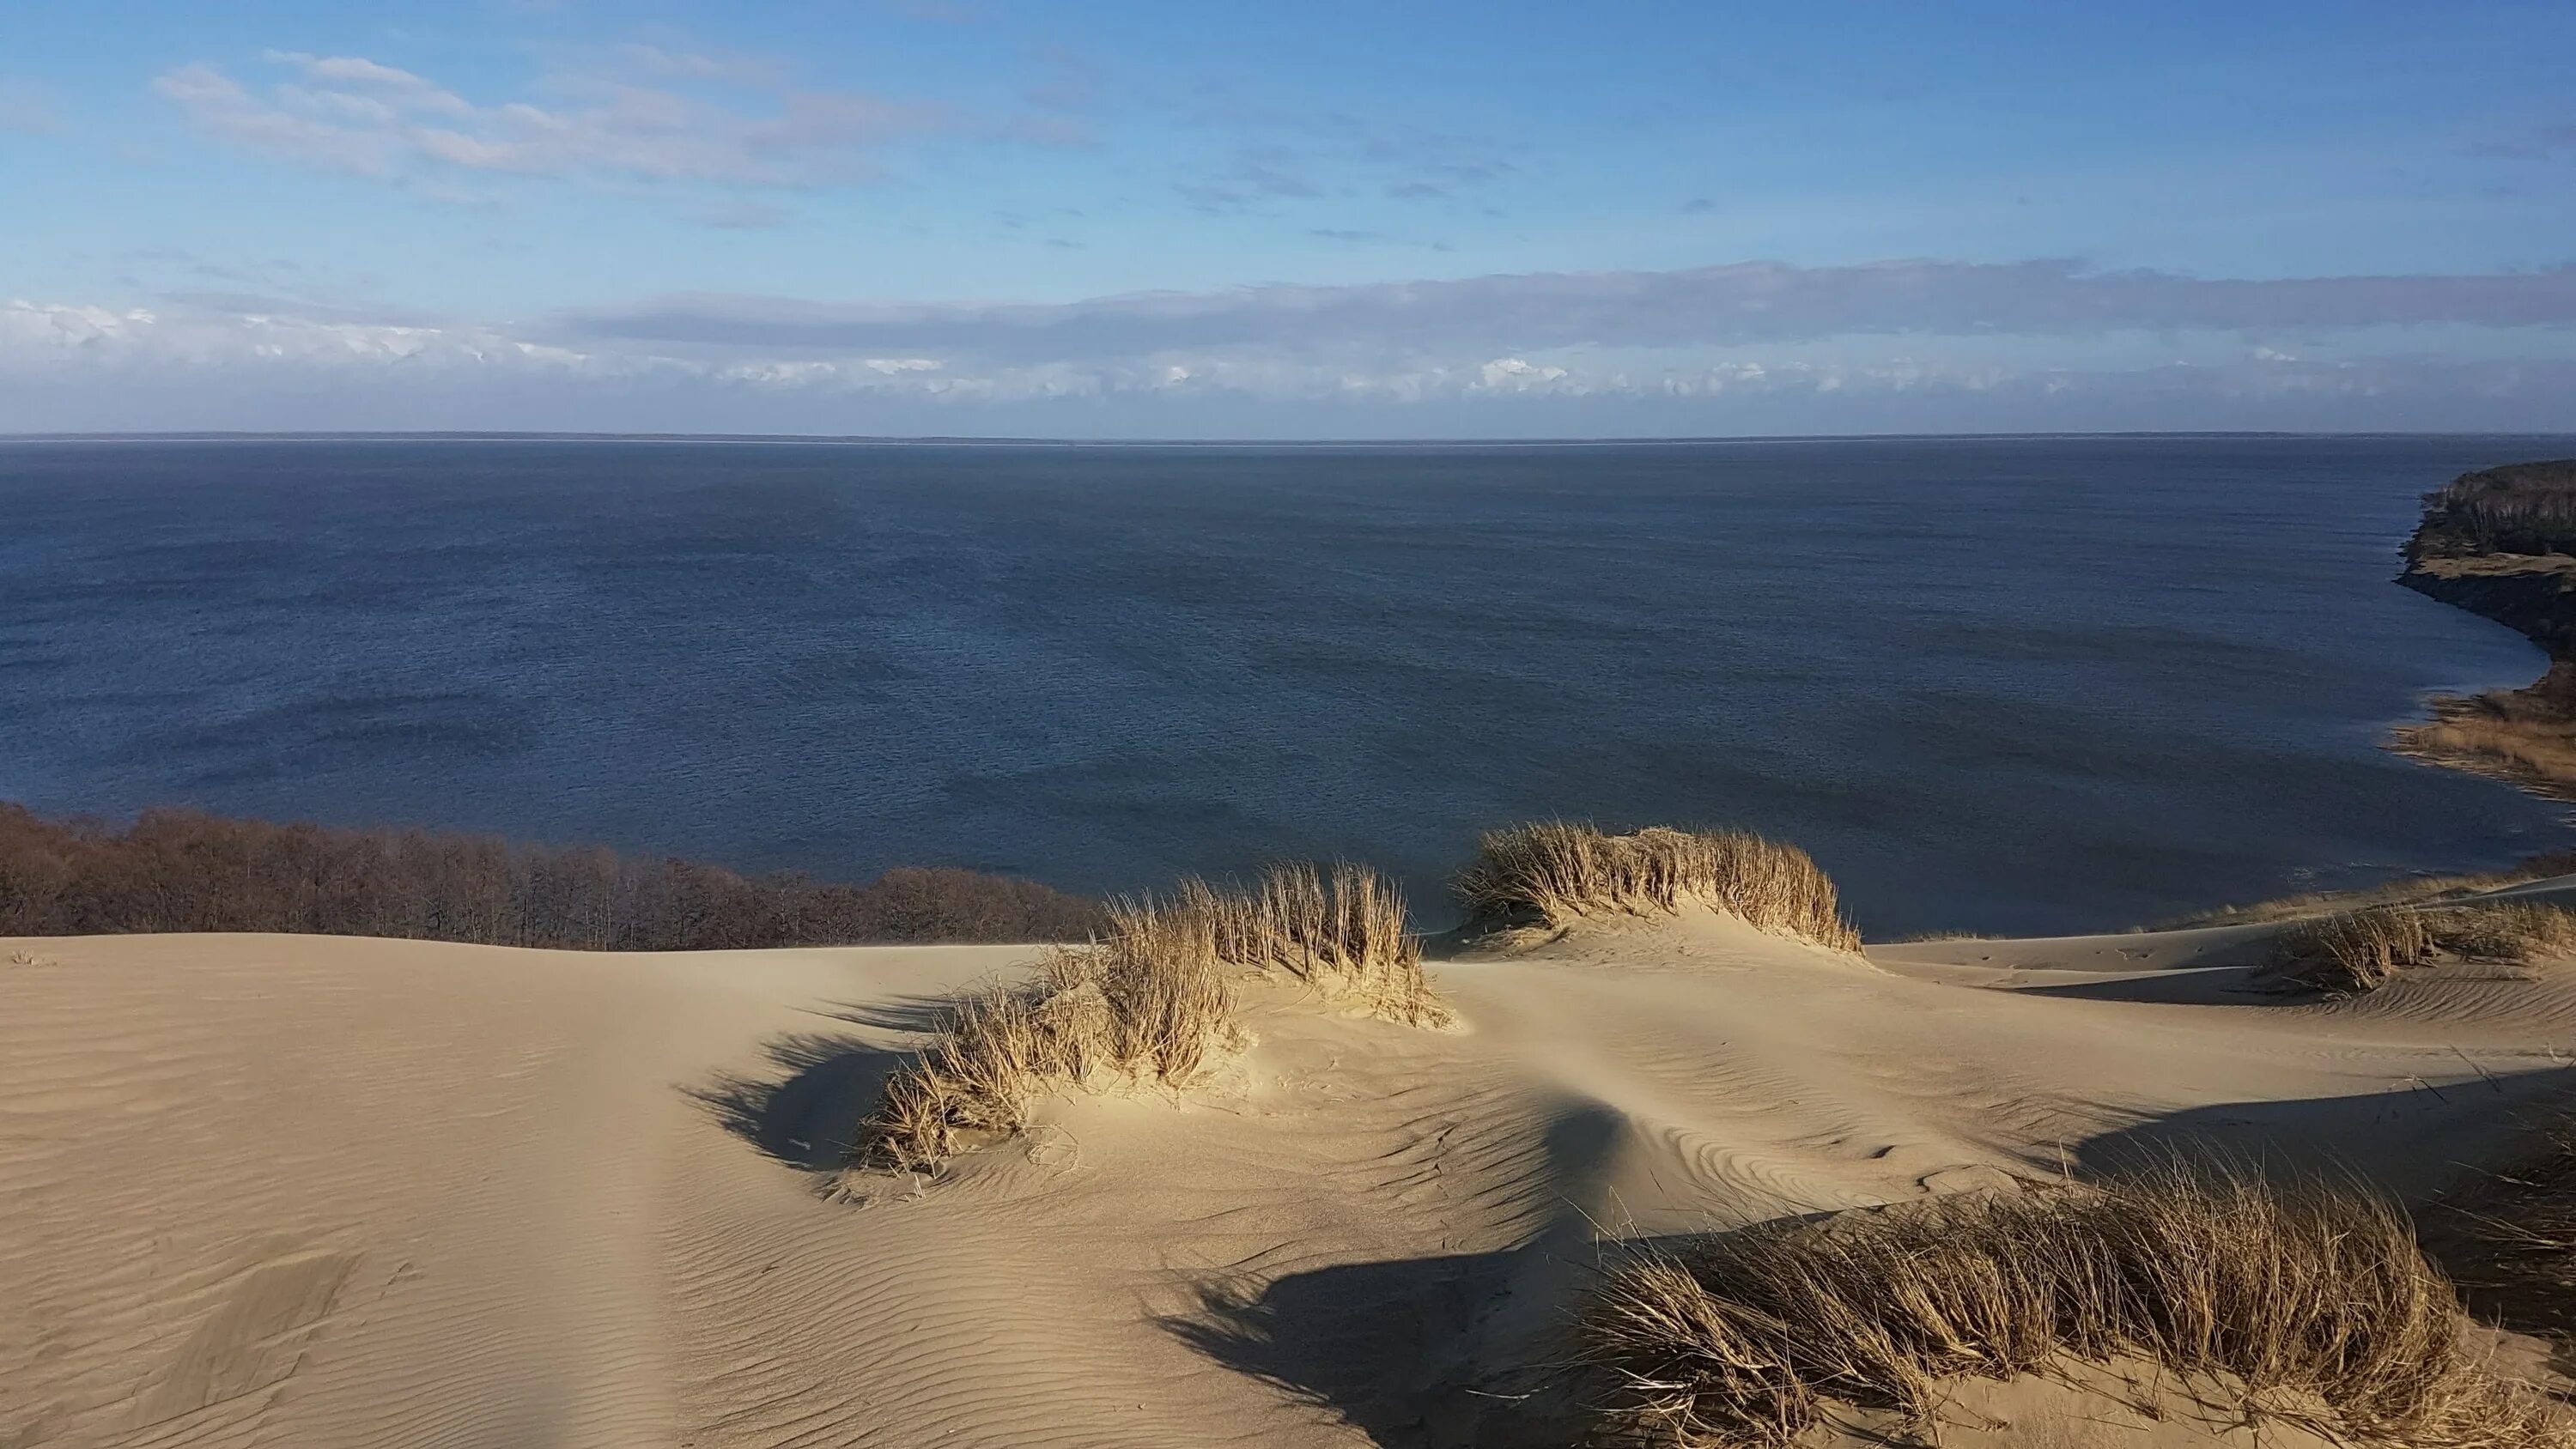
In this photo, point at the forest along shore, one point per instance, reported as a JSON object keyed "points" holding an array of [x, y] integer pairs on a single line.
{"points": [[2501, 543]]}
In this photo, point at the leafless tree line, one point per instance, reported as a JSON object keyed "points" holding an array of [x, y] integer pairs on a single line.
{"points": [[2526, 508], [183, 870]]}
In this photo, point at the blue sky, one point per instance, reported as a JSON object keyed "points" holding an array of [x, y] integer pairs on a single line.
{"points": [[1334, 219]]}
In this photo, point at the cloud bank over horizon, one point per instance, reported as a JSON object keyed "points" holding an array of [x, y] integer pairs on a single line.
{"points": [[1901, 345]]}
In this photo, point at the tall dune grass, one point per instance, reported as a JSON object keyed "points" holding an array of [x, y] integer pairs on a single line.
{"points": [[2356, 951], [1554, 871], [1152, 1001], [1149, 1004], [2309, 1298], [1342, 932]]}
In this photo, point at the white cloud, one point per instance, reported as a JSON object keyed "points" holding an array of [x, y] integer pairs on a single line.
{"points": [[1512, 374], [356, 115]]}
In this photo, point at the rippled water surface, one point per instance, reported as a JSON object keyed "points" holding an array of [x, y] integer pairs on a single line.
{"points": [[2005, 684]]}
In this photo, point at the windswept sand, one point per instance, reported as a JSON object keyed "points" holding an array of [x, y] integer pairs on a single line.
{"points": [[300, 1191]]}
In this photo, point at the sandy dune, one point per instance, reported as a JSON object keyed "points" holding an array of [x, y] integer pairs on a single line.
{"points": [[270, 1190]]}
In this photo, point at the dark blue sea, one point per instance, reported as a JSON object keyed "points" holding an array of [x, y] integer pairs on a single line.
{"points": [[2012, 685]]}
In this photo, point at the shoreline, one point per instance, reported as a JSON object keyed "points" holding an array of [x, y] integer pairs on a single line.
{"points": [[2490, 543]]}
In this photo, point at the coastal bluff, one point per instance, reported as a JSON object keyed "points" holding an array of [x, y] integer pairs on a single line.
{"points": [[2501, 543]]}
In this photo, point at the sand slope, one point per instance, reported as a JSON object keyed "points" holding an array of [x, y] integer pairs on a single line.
{"points": [[308, 1191]]}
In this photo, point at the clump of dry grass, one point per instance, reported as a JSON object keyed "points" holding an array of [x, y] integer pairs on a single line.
{"points": [[2310, 1299], [2356, 951], [1342, 932], [1153, 1001], [1554, 871], [2351, 951]]}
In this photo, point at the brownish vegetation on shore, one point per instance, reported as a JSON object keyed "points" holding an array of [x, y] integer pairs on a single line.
{"points": [[2524, 736], [2411, 890], [2306, 1298], [180, 870], [1152, 1002], [1552, 872]]}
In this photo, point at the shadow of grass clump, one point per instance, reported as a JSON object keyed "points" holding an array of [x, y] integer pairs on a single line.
{"points": [[804, 1118], [1388, 1348], [2508, 1236]]}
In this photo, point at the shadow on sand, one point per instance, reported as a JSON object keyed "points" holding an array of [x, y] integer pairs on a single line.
{"points": [[1450, 1351], [1406, 1351], [806, 1117], [830, 1081]]}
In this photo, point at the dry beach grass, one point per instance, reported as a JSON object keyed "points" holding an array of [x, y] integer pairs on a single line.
{"points": [[1553, 872], [2307, 1298], [1152, 1001], [2356, 951]]}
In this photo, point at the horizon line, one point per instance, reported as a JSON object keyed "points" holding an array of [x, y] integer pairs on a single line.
{"points": [[977, 440]]}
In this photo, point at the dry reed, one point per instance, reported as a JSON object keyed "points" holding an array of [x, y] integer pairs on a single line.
{"points": [[2356, 951], [1553, 871], [2308, 1299], [1152, 1001]]}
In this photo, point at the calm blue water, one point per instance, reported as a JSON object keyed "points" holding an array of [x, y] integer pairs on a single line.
{"points": [[2014, 685]]}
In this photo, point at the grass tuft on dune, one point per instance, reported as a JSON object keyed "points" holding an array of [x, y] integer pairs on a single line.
{"points": [[1152, 1001], [1342, 932], [1556, 871], [2308, 1298], [2351, 952]]}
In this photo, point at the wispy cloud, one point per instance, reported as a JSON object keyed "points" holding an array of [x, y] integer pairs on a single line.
{"points": [[2554, 141], [743, 214], [735, 121], [1762, 302], [1270, 156]]}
